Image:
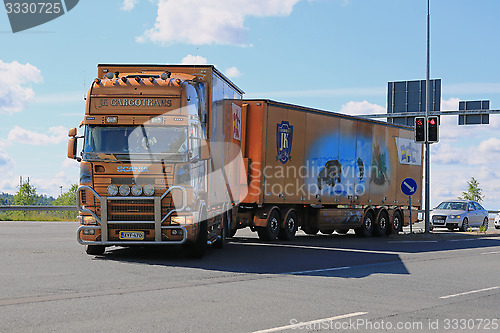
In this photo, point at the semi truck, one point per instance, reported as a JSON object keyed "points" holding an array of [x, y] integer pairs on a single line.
{"points": [[173, 155]]}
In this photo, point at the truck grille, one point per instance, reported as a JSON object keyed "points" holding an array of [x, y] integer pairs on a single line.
{"points": [[131, 210]]}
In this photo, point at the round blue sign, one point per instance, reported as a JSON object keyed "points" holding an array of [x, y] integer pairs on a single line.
{"points": [[409, 186]]}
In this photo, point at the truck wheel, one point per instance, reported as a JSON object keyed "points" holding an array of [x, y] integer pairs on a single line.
{"points": [[199, 247], [342, 231], [380, 229], [327, 231], [290, 226], [310, 230], [271, 230], [397, 223], [222, 241], [95, 250], [365, 230]]}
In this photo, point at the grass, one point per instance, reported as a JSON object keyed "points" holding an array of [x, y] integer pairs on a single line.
{"points": [[38, 216]]}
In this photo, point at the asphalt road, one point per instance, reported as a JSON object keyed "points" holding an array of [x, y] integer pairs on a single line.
{"points": [[443, 282]]}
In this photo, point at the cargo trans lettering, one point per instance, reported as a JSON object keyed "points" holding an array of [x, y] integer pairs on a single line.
{"points": [[139, 102]]}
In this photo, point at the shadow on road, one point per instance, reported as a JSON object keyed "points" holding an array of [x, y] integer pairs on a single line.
{"points": [[333, 255]]}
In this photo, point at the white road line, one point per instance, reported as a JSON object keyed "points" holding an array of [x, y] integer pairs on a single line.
{"points": [[492, 252], [403, 242], [319, 248], [465, 240], [470, 292], [319, 270], [302, 324]]}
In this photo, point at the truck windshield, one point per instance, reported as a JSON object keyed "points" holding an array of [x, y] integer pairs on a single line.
{"points": [[135, 143]]}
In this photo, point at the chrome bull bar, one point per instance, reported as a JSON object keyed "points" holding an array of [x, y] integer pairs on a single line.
{"points": [[103, 219]]}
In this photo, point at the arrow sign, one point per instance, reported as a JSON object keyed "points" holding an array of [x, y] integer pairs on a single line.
{"points": [[409, 186]]}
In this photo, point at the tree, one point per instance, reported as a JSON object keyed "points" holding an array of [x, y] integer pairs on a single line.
{"points": [[67, 198], [474, 192], [26, 195]]}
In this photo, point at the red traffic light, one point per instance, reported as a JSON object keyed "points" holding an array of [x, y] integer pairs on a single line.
{"points": [[432, 121], [419, 122]]}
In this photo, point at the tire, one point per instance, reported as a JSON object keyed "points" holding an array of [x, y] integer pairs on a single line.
{"points": [[465, 225], [95, 250], [271, 231], [342, 231], [327, 231], [451, 229], [485, 224], [290, 225], [397, 223], [366, 229], [310, 230], [382, 225], [199, 247], [222, 241], [497, 227]]}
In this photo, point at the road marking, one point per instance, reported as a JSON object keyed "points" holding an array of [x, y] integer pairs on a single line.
{"points": [[428, 241], [465, 240], [319, 270], [469, 292], [318, 248], [492, 252], [312, 322]]}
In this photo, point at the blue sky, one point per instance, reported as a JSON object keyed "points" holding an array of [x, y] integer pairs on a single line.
{"points": [[336, 55]]}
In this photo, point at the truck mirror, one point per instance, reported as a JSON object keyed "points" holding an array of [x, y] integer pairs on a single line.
{"points": [[72, 132], [204, 150], [72, 148]]}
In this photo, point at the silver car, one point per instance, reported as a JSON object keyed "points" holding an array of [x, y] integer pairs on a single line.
{"points": [[460, 214], [497, 221]]}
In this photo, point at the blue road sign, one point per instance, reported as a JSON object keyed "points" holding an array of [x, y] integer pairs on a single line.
{"points": [[409, 186]]}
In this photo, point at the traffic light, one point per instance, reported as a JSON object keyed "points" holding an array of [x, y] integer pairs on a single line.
{"points": [[420, 129], [433, 129]]}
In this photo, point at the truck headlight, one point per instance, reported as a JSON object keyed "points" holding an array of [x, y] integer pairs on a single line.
{"points": [[136, 190], [124, 190], [149, 190], [112, 190], [181, 219]]}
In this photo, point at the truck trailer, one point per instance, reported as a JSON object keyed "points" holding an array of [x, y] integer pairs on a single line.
{"points": [[325, 171], [173, 155]]}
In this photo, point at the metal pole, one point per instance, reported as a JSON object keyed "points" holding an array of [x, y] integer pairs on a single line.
{"points": [[411, 221], [427, 109]]}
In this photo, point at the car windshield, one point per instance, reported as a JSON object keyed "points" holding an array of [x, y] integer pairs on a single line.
{"points": [[452, 205], [135, 143]]}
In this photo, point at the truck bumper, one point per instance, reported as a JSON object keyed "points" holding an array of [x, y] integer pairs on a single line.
{"points": [[161, 232]]}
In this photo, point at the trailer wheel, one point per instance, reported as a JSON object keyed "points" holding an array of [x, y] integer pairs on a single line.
{"points": [[365, 230], [342, 231], [380, 229], [289, 227], [271, 231], [397, 223], [95, 250], [327, 231], [199, 247]]}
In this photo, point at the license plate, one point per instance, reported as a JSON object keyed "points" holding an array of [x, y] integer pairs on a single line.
{"points": [[132, 235]]}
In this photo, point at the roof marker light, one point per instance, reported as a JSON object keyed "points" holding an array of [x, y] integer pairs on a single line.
{"points": [[97, 81], [138, 79], [151, 79], [124, 79]]}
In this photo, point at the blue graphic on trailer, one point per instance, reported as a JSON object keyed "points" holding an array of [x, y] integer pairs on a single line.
{"points": [[284, 135], [409, 186]]}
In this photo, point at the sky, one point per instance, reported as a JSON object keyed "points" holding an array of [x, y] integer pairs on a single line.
{"points": [[335, 55]]}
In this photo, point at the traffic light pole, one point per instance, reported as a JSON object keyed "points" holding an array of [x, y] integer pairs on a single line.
{"points": [[427, 109]]}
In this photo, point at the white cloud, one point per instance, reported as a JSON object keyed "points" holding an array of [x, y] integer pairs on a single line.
{"points": [[128, 4], [361, 108], [193, 60], [210, 22], [232, 72], [6, 162], [21, 135], [15, 90]]}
